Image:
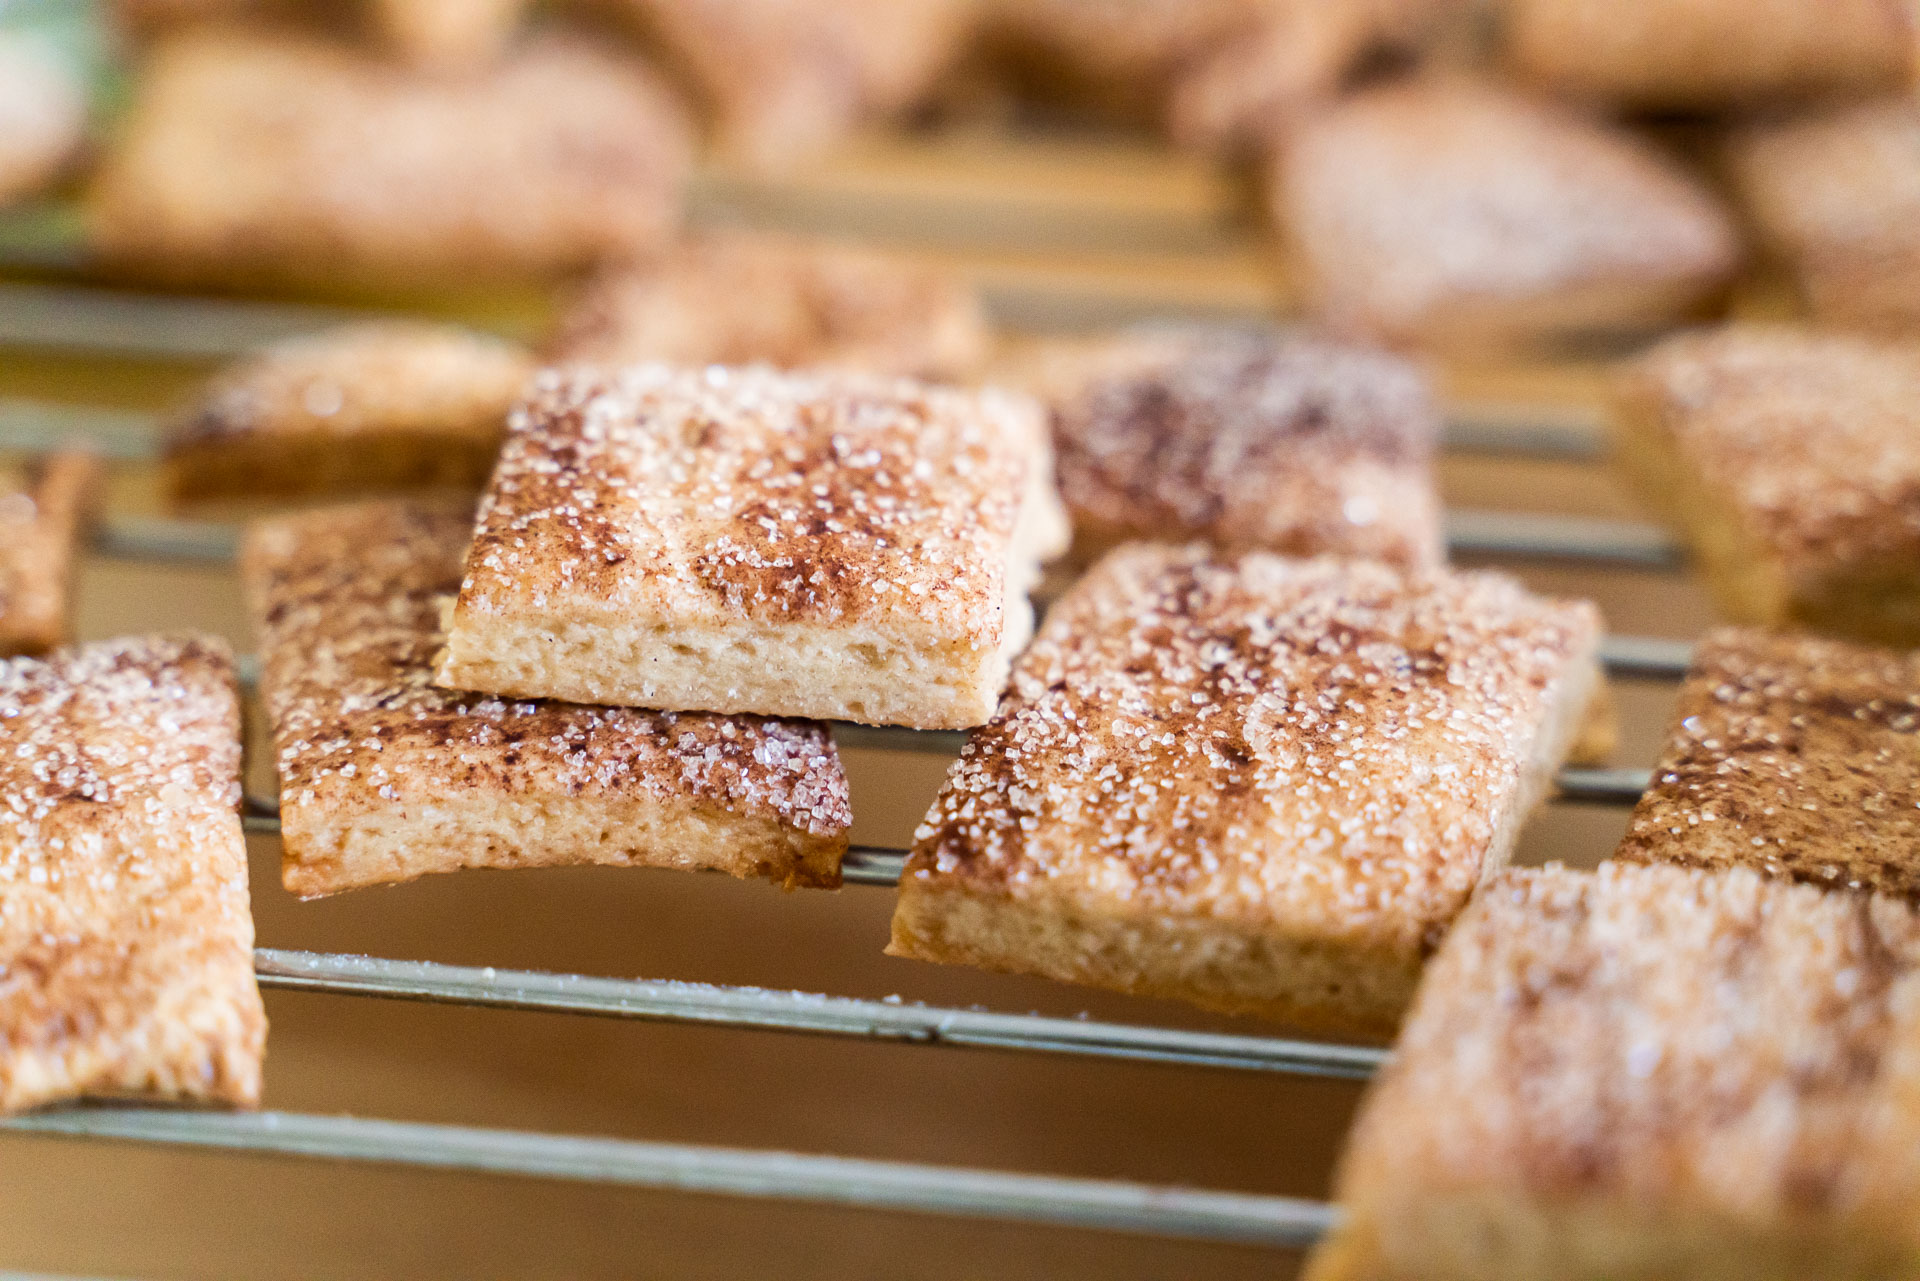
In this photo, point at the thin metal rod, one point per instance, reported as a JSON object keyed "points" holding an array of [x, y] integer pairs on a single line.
{"points": [[1646, 657], [171, 541], [877, 1185], [762, 1008], [1601, 786], [1545, 431], [176, 327], [1542, 536]]}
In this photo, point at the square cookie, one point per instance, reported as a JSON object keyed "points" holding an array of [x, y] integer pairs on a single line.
{"points": [[1451, 213], [258, 158], [1796, 756], [1249, 440], [126, 934], [1647, 1073], [1262, 785], [1836, 197], [384, 777], [742, 540], [388, 404], [1791, 461], [742, 297], [45, 509]]}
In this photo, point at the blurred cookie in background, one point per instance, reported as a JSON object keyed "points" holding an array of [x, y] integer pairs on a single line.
{"points": [[442, 34], [1710, 55], [739, 297], [43, 115], [252, 158], [1456, 214], [1836, 197]]}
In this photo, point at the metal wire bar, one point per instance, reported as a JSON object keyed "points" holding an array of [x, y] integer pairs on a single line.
{"points": [[1541, 536], [1601, 786], [1646, 657], [177, 542], [1531, 431], [877, 1185], [123, 323], [762, 1008]]}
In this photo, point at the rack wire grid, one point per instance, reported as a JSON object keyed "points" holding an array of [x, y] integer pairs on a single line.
{"points": [[63, 317]]}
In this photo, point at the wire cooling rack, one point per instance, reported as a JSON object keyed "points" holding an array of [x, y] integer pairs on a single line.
{"points": [[43, 316]]}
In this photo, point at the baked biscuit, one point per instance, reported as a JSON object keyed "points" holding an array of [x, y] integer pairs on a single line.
{"points": [[739, 298], [45, 509], [384, 778], [125, 932], [1647, 1072], [1708, 55], [1795, 756], [1837, 198], [1262, 785], [386, 404], [1456, 214], [258, 158], [738, 539], [782, 79], [1249, 440], [43, 116], [439, 34], [1791, 460]]}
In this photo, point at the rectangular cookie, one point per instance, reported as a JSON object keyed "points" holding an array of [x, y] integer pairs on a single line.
{"points": [[1795, 756], [253, 157], [1791, 462], [1444, 211], [741, 540], [386, 404], [45, 510], [741, 297], [1646, 1073], [1261, 785], [384, 778], [126, 935], [1250, 440]]}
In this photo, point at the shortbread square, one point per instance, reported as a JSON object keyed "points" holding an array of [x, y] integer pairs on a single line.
{"points": [[738, 298], [385, 778], [1791, 461], [253, 158], [742, 540], [1249, 440], [1837, 197], [126, 936], [386, 404], [1795, 756], [45, 510], [1647, 1073], [1455, 214], [1258, 784]]}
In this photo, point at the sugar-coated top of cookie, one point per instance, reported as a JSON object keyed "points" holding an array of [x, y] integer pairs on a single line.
{"points": [[1329, 744], [1814, 438], [1657, 1036], [1796, 756], [104, 743], [737, 298], [1429, 192], [349, 603], [371, 376], [1283, 442], [713, 495]]}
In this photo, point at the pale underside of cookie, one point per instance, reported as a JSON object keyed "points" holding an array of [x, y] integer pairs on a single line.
{"points": [[252, 157], [1791, 460], [43, 116], [375, 405], [739, 298], [1451, 213], [1258, 784], [1694, 55], [1647, 1072], [1796, 756], [44, 514], [125, 927], [737, 539], [385, 778], [783, 79], [1248, 440], [1836, 196]]}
